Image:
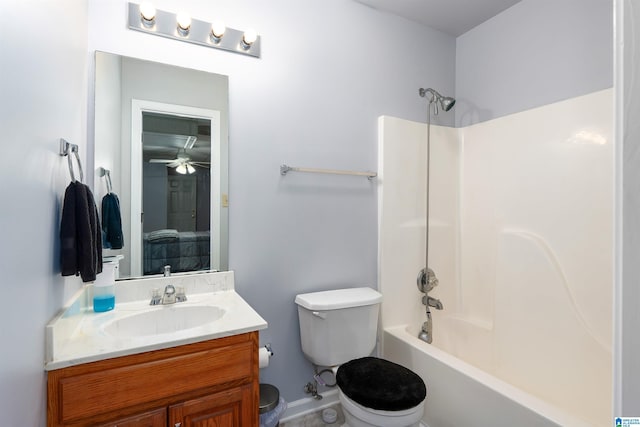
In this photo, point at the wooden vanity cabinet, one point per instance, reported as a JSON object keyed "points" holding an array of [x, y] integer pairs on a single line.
{"points": [[210, 383]]}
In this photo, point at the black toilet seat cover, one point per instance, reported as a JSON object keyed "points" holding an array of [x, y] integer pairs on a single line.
{"points": [[379, 384]]}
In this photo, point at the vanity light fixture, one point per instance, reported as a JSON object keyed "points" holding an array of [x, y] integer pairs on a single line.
{"points": [[147, 14], [184, 23], [217, 31], [181, 26], [248, 38]]}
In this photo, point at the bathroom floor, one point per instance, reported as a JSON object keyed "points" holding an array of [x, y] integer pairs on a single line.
{"points": [[315, 419]]}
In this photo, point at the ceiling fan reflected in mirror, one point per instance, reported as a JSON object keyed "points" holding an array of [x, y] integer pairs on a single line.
{"points": [[182, 163]]}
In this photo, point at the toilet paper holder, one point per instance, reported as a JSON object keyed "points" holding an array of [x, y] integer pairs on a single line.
{"points": [[268, 347], [264, 354]]}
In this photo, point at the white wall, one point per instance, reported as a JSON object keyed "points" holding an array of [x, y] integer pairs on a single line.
{"points": [[401, 215], [312, 99], [43, 83], [532, 54]]}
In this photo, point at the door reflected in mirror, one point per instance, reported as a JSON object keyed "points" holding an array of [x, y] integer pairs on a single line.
{"points": [[162, 131], [178, 170]]}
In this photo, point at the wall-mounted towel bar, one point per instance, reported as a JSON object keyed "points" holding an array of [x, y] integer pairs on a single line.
{"points": [[66, 149], [284, 169]]}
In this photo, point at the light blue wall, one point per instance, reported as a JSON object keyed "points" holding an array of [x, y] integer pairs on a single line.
{"points": [[326, 73], [534, 53], [43, 97]]}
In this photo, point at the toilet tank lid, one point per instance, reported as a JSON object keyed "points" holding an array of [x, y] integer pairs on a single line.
{"points": [[339, 298]]}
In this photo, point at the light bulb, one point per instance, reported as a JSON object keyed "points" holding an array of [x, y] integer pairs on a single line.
{"points": [[147, 13], [217, 29], [249, 37], [181, 169], [184, 23], [190, 169]]}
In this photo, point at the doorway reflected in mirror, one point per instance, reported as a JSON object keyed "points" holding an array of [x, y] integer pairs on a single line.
{"points": [[176, 202]]}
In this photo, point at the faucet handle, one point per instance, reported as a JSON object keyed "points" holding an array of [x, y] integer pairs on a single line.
{"points": [[155, 297], [180, 295]]}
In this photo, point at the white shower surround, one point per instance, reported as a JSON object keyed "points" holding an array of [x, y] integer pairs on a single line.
{"points": [[521, 240]]}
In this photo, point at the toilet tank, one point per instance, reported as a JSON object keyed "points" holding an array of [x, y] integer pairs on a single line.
{"points": [[338, 326]]}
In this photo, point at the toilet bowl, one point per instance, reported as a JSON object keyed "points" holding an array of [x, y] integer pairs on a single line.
{"points": [[377, 392], [339, 329], [360, 416]]}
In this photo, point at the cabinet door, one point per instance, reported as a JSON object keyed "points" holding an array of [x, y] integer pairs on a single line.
{"points": [[156, 418], [235, 407]]}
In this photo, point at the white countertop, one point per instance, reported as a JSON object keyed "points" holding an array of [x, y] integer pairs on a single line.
{"points": [[76, 335]]}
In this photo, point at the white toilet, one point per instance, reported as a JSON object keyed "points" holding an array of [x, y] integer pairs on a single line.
{"points": [[338, 329]]}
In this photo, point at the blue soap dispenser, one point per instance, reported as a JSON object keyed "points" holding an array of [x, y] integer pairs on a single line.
{"points": [[104, 296]]}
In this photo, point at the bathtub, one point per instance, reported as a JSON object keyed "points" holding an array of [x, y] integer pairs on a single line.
{"points": [[462, 395], [524, 259], [536, 360]]}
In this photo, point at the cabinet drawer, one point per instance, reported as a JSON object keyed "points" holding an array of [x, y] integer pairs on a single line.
{"points": [[157, 418], [114, 385]]}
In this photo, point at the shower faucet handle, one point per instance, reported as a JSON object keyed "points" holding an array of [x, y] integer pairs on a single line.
{"points": [[426, 280]]}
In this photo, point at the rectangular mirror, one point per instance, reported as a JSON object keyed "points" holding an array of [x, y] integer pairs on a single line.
{"points": [[162, 133]]}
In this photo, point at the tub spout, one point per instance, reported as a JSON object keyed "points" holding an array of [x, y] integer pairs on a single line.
{"points": [[426, 334], [424, 337]]}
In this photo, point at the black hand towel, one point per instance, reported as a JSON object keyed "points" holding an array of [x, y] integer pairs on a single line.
{"points": [[80, 235], [111, 222]]}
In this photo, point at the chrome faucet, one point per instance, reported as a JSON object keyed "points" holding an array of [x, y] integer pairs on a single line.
{"points": [[169, 296], [426, 333], [426, 281]]}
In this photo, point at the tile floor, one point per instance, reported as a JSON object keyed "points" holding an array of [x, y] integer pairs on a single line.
{"points": [[315, 419]]}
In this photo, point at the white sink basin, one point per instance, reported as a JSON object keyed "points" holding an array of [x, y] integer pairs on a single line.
{"points": [[163, 320]]}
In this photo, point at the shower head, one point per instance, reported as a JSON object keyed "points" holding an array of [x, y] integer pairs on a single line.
{"points": [[446, 102]]}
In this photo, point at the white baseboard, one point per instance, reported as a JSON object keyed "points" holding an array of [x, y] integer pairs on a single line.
{"points": [[309, 404]]}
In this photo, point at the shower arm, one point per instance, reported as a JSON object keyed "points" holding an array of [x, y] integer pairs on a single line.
{"points": [[435, 98]]}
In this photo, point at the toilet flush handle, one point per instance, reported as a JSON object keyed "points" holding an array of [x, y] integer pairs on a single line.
{"points": [[319, 314]]}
